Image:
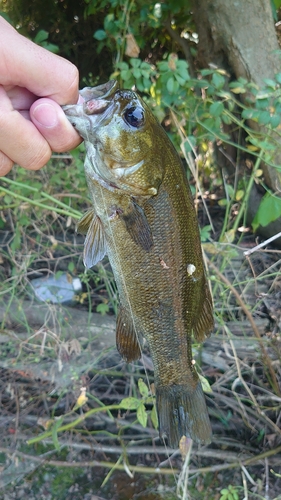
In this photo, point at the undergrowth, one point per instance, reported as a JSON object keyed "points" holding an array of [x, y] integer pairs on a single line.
{"points": [[68, 402]]}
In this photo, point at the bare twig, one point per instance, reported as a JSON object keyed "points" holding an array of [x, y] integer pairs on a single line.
{"points": [[263, 244]]}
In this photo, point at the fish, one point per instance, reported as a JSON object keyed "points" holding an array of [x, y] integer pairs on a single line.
{"points": [[143, 218]]}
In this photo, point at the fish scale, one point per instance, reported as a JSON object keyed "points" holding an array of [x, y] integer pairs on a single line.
{"points": [[143, 217]]}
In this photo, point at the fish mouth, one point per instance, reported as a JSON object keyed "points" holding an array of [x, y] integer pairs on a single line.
{"points": [[96, 100], [100, 92]]}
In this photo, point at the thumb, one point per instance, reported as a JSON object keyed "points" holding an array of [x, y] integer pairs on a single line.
{"points": [[50, 120]]}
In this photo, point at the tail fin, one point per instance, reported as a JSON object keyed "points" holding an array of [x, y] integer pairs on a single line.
{"points": [[183, 412]]}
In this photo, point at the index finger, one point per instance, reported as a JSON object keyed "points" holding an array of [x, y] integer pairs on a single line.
{"points": [[27, 65]]}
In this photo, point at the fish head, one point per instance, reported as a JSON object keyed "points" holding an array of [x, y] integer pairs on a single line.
{"points": [[125, 143]]}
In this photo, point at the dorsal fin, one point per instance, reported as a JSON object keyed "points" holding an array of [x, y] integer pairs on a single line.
{"points": [[126, 338]]}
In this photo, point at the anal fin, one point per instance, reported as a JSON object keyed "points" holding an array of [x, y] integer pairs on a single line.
{"points": [[126, 337]]}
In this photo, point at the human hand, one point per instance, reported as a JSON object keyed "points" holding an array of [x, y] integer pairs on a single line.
{"points": [[33, 84]]}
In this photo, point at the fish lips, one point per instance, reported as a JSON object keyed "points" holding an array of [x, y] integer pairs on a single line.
{"points": [[95, 101]]}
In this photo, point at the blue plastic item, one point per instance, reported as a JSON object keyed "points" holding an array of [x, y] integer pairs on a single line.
{"points": [[61, 290]]}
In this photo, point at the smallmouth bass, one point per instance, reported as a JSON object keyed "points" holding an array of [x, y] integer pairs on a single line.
{"points": [[143, 218]]}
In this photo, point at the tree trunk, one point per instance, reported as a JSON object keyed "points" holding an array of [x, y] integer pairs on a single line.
{"points": [[240, 37]]}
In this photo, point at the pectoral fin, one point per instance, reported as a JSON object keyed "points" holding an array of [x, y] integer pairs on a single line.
{"points": [[84, 223], [138, 227], [126, 338], [95, 244]]}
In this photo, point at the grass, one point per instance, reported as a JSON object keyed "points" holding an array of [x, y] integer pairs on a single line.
{"points": [[49, 353]]}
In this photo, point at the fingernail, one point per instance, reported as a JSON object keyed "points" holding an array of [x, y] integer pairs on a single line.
{"points": [[80, 100], [45, 115]]}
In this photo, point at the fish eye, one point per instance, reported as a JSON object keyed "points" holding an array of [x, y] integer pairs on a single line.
{"points": [[134, 116]]}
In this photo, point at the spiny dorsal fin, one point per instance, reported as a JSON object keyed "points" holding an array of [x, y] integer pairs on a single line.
{"points": [[138, 227], [95, 244], [126, 338]]}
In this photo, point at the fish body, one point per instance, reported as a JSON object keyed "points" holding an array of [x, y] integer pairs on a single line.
{"points": [[143, 218]]}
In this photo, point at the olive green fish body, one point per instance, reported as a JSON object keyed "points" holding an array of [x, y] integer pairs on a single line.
{"points": [[145, 221]]}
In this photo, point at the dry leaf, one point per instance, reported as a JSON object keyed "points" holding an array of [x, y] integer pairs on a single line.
{"points": [[132, 48]]}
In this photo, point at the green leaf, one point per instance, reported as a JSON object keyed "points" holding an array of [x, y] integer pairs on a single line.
{"points": [[278, 75], [71, 267], [142, 415], [264, 117], [8, 199], [130, 403], [154, 418], [226, 119], [137, 73], [274, 120], [216, 109], [16, 243], [239, 194], [51, 47], [189, 143], [230, 190], [218, 80], [41, 36], [24, 220], [172, 85], [205, 233], [206, 72], [250, 114], [180, 80], [100, 35], [270, 83], [163, 66], [143, 388], [238, 90], [135, 62], [125, 74], [228, 236], [205, 384], [268, 211], [122, 65], [183, 73], [102, 308]]}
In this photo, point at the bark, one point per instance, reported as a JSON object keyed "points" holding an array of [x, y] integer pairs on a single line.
{"points": [[240, 37]]}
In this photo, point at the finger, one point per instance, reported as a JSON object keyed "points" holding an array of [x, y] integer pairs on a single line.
{"points": [[20, 97], [28, 65], [20, 140], [5, 164], [52, 123]]}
